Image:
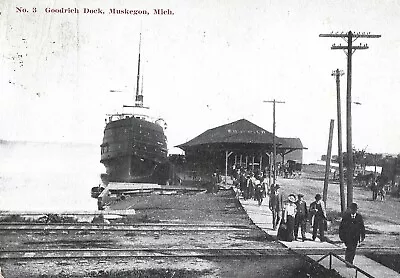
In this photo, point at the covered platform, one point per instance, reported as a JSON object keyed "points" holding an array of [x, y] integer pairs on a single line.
{"points": [[240, 144]]}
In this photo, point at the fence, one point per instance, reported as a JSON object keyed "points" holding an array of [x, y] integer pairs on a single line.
{"points": [[330, 254]]}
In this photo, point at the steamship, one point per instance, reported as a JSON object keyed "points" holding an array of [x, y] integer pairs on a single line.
{"points": [[134, 147]]}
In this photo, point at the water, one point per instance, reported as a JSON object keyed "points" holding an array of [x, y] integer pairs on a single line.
{"points": [[48, 176]]}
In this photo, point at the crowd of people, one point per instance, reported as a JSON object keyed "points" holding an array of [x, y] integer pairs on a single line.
{"points": [[295, 214], [290, 216], [251, 185]]}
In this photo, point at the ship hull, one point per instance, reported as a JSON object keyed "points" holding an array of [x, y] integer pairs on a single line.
{"points": [[134, 169], [135, 150]]}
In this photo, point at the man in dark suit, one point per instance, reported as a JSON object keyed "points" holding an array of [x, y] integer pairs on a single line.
{"points": [[318, 212], [276, 206], [352, 232], [301, 217]]}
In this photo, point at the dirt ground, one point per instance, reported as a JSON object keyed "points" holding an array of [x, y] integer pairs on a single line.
{"points": [[381, 219], [202, 208], [277, 267]]}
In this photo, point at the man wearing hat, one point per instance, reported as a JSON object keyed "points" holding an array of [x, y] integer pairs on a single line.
{"points": [[317, 210], [289, 215], [352, 232], [301, 217], [276, 205]]}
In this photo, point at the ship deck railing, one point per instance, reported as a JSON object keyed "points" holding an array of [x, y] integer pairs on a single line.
{"points": [[121, 116]]}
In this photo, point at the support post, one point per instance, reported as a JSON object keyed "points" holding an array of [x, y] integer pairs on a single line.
{"points": [[273, 139], [328, 162], [350, 164], [337, 73], [274, 145], [349, 49], [269, 172]]}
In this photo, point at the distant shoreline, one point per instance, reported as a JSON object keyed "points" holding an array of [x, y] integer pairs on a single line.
{"points": [[11, 142]]}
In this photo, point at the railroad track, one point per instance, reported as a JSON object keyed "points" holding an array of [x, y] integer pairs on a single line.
{"points": [[49, 254], [65, 254], [12, 253], [123, 227]]}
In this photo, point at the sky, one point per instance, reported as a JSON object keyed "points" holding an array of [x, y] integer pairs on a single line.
{"points": [[207, 64]]}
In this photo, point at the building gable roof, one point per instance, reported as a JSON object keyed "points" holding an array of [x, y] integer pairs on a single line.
{"points": [[241, 131], [291, 144]]}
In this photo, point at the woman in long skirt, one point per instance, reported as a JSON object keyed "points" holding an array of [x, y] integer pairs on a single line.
{"points": [[289, 215]]}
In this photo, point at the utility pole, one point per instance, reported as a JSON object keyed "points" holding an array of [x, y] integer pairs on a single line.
{"points": [[349, 49], [328, 162], [273, 139], [337, 73]]}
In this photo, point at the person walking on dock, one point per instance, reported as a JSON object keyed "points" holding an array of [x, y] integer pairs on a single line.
{"points": [[251, 185], [259, 191], [214, 183], [318, 214], [266, 185], [301, 217], [352, 232], [276, 206], [243, 184], [289, 215], [247, 186]]}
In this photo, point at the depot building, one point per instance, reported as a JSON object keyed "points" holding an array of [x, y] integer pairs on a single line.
{"points": [[239, 144]]}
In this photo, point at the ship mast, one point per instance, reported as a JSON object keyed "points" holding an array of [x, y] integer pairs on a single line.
{"points": [[141, 88], [139, 97]]}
